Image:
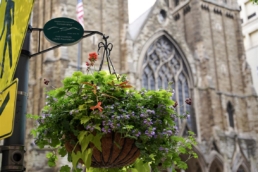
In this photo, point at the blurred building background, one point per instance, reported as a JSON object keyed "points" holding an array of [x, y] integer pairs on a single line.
{"points": [[198, 44], [249, 20]]}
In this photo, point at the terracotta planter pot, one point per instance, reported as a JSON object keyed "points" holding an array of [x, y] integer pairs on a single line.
{"points": [[116, 151]]}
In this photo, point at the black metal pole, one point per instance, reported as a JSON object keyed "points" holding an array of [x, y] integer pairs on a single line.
{"points": [[13, 148]]}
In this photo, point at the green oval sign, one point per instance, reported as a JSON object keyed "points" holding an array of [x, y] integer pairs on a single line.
{"points": [[63, 31]]}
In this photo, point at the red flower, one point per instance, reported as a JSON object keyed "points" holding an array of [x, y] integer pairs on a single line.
{"points": [[46, 81], [97, 107], [87, 64], [188, 101], [175, 104], [93, 56]]}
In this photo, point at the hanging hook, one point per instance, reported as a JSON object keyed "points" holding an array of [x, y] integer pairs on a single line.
{"points": [[106, 55]]}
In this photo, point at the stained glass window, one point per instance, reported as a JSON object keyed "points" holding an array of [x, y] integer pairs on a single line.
{"points": [[163, 64]]}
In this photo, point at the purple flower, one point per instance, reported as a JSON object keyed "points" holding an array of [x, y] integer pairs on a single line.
{"points": [[161, 148], [169, 132], [150, 111], [112, 126], [150, 133], [47, 115], [138, 134], [106, 130], [90, 127], [147, 122]]}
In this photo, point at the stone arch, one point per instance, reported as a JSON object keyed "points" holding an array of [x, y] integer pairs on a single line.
{"points": [[195, 165], [164, 61], [216, 167], [216, 164], [242, 168], [240, 162]]}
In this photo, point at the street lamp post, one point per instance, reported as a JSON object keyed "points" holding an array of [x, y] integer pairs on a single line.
{"points": [[13, 148]]}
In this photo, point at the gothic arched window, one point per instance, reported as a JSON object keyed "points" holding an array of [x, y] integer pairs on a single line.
{"points": [[230, 110], [240, 169], [176, 2], [216, 166], [163, 64]]}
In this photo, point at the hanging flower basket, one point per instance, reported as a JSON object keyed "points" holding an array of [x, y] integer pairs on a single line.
{"points": [[98, 119]]}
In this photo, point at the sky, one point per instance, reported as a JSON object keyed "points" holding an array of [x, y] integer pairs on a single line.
{"points": [[138, 7]]}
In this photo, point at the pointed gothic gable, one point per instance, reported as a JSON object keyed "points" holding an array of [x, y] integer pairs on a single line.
{"points": [[135, 27]]}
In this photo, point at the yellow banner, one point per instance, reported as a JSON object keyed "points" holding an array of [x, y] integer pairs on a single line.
{"points": [[7, 109], [14, 18]]}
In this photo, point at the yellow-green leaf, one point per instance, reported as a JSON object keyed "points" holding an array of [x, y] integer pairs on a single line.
{"points": [[96, 141], [82, 107], [86, 157], [85, 119], [81, 136], [76, 157], [97, 127], [85, 142]]}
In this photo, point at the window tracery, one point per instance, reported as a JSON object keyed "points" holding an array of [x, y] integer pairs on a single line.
{"points": [[163, 64]]}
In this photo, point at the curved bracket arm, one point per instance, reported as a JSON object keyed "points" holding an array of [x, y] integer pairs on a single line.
{"points": [[105, 45]]}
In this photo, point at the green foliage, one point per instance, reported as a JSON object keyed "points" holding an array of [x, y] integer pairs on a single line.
{"points": [[51, 159], [89, 106], [65, 168], [254, 1]]}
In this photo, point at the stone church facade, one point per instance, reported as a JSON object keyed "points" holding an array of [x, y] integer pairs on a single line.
{"points": [[196, 44]]}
